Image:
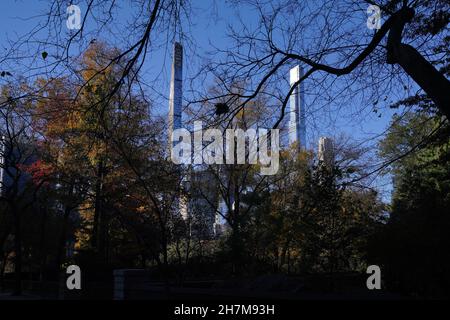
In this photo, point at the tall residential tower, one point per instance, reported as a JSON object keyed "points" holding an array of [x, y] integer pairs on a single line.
{"points": [[176, 92], [297, 121]]}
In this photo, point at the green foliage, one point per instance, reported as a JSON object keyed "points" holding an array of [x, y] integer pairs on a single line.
{"points": [[413, 246], [308, 222]]}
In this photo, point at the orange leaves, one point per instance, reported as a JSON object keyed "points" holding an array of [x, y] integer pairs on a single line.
{"points": [[98, 65]]}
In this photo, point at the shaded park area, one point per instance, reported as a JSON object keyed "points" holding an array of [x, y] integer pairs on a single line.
{"points": [[174, 149]]}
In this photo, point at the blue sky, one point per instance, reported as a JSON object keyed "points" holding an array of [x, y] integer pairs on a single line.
{"points": [[208, 30]]}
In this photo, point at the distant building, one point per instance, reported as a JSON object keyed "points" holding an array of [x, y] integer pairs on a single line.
{"points": [[176, 92], [12, 157], [199, 200], [24, 154], [203, 203], [297, 113], [326, 153]]}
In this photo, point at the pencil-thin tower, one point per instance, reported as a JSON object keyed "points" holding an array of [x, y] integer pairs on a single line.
{"points": [[176, 92], [297, 121]]}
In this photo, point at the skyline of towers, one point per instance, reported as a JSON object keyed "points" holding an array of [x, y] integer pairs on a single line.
{"points": [[190, 204], [297, 112], [176, 92], [193, 204], [297, 120]]}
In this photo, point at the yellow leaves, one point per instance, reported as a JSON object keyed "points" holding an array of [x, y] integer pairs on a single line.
{"points": [[83, 234], [82, 239], [73, 120], [98, 63], [96, 152], [141, 209]]}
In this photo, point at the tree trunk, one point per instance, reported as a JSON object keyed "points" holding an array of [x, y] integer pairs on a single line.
{"points": [[42, 251], [435, 85], [426, 76], [17, 251], [284, 251], [62, 239], [97, 231]]}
